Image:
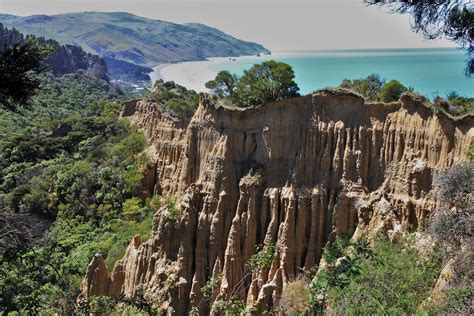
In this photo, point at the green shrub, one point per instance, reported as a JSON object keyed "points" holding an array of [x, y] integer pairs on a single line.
{"points": [[396, 283], [174, 212], [470, 152], [86, 178], [369, 87], [231, 307], [263, 258], [391, 91], [461, 104], [207, 289], [179, 100], [132, 207]]}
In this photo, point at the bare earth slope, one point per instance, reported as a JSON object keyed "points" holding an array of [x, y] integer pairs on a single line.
{"points": [[295, 173]]}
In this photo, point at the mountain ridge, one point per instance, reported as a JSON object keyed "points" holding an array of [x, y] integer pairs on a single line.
{"points": [[126, 37]]}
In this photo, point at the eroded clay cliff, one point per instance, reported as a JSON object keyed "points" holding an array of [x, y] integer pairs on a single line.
{"points": [[295, 173]]}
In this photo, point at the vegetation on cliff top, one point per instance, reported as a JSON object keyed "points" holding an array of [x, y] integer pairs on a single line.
{"points": [[375, 89], [262, 83], [179, 101]]}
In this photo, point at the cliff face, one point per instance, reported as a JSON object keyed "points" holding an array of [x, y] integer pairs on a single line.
{"points": [[294, 173]]}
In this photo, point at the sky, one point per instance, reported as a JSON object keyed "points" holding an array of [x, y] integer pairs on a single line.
{"points": [[280, 25]]}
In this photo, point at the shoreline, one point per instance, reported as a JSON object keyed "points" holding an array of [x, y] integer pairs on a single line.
{"points": [[155, 74], [315, 70], [194, 74]]}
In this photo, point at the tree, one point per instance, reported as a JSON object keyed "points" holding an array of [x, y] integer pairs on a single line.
{"points": [[391, 91], [223, 85], [19, 67], [453, 19], [369, 87], [341, 266], [265, 82]]}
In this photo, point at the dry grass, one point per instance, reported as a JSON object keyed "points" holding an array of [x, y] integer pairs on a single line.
{"points": [[295, 297]]}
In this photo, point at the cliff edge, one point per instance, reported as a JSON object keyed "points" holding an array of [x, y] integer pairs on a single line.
{"points": [[294, 173]]}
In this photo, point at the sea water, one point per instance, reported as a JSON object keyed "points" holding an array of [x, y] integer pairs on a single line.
{"points": [[430, 71]]}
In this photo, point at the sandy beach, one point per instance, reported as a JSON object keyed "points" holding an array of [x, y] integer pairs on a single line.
{"points": [[194, 74]]}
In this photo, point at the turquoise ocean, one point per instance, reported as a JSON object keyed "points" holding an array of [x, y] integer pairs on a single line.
{"points": [[430, 71]]}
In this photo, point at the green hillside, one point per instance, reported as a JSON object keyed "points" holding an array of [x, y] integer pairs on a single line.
{"points": [[130, 38]]}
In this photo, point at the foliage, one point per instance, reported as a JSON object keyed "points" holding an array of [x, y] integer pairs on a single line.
{"points": [[460, 104], [85, 175], [231, 307], [71, 174], [470, 152], [391, 91], [455, 186], [98, 305], [456, 298], [263, 258], [453, 220], [369, 87], [374, 284], [224, 85], [180, 101], [262, 83], [23, 58], [343, 262], [173, 211], [132, 207], [255, 176], [453, 19], [207, 289], [57, 100], [20, 65], [34, 280]]}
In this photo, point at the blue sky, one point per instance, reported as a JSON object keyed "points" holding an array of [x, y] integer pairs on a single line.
{"points": [[277, 24]]}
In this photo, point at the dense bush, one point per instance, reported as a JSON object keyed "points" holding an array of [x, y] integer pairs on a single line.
{"points": [[181, 102], [57, 99], [453, 221], [460, 104], [85, 176], [391, 91], [369, 87], [394, 279], [262, 83]]}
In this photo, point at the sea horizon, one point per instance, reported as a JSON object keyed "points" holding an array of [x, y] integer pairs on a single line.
{"points": [[430, 71]]}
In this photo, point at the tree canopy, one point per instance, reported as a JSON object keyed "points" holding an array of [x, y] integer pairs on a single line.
{"points": [[19, 67], [453, 19], [369, 87], [391, 91], [262, 83]]}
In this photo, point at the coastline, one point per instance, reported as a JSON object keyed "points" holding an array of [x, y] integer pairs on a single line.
{"points": [[320, 69], [194, 74], [156, 73]]}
